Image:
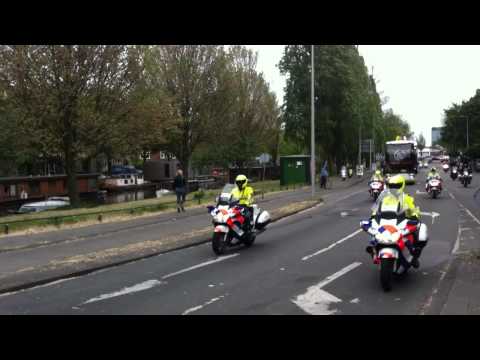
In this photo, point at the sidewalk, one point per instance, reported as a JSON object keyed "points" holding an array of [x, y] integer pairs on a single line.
{"points": [[30, 260], [464, 295], [458, 291]]}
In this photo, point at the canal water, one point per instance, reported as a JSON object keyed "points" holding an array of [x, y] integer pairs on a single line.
{"points": [[103, 197]]}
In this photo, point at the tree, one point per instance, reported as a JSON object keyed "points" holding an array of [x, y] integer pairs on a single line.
{"points": [[253, 119], [346, 99], [65, 95], [190, 79], [395, 126], [421, 142], [454, 132]]}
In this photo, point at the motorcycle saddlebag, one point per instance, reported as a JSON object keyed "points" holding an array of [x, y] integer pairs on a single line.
{"points": [[263, 219]]}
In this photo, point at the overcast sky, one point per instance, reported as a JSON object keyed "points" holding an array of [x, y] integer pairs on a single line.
{"points": [[420, 81]]}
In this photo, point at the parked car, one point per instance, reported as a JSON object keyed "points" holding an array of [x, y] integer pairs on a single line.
{"points": [[50, 204]]}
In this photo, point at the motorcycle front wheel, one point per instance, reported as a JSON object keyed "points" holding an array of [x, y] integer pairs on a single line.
{"points": [[386, 273], [219, 243]]}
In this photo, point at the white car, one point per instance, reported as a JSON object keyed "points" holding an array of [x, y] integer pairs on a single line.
{"points": [[49, 204]]}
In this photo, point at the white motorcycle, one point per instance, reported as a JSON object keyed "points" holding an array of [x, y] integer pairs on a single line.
{"points": [[465, 178], [454, 173], [376, 188], [230, 227], [343, 174], [391, 238], [434, 187], [445, 167]]}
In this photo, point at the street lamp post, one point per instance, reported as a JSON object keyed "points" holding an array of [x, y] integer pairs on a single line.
{"points": [[468, 140], [312, 130], [467, 134]]}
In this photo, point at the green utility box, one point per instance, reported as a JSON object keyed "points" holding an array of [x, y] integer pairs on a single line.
{"points": [[294, 169]]}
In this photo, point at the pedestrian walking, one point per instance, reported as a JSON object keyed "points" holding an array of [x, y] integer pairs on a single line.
{"points": [[324, 176], [180, 186]]}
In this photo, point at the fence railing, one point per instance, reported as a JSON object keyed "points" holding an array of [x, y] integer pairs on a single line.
{"points": [[7, 226]]}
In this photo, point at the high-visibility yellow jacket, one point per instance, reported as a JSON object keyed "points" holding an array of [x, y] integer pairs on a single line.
{"points": [[244, 196], [407, 204]]}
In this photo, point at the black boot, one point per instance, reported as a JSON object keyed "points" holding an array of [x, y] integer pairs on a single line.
{"points": [[369, 250], [416, 254]]}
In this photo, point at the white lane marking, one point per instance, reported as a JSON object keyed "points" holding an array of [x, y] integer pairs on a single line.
{"points": [[221, 258], [315, 300], [355, 301], [332, 245], [350, 195], [152, 283], [286, 218], [420, 192], [433, 214], [196, 308], [128, 290], [472, 216], [457, 242], [451, 195]]}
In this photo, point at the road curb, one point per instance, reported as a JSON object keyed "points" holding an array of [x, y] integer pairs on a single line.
{"points": [[18, 284]]}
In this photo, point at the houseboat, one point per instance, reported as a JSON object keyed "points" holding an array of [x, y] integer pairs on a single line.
{"points": [[16, 191], [123, 178]]}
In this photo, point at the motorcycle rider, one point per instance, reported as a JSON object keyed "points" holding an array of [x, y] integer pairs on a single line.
{"points": [[244, 194], [432, 174], [377, 176], [406, 203]]}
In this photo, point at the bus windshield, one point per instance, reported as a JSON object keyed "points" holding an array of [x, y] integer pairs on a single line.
{"points": [[399, 152]]}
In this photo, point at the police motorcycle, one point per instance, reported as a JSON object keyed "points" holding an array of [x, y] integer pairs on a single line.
{"points": [[393, 239], [231, 227], [465, 177], [454, 173], [434, 186]]}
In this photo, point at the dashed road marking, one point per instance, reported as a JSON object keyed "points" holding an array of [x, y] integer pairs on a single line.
{"points": [[154, 282], [199, 307], [332, 245]]}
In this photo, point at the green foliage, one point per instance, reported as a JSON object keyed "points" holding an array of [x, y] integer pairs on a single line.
{"points": [[421, 142], [454, 134], [347, 102]]}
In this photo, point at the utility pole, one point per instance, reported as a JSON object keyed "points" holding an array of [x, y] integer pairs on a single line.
{"points": [[467, 134], [372, 144], [359, 144], [312, 127]]}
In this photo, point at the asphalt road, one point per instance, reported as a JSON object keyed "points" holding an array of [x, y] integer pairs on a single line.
{"points": [[310, 263]]}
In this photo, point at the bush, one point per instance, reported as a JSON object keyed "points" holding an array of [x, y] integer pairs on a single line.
{"points": [[199, 195]]}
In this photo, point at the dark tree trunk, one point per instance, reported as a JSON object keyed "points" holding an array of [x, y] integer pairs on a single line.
{"points": [[70, 169], [70, 161]]}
